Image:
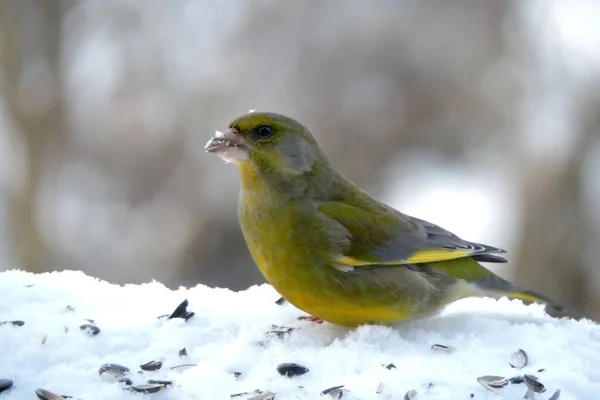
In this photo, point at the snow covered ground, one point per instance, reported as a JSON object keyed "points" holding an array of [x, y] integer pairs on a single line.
{"points": [[227, 335]]}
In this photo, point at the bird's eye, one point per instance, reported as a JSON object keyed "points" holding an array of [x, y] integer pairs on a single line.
{"points": [[264, 131]]}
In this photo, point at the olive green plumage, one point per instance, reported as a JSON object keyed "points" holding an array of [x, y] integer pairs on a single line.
{"points": [[334, 251]]}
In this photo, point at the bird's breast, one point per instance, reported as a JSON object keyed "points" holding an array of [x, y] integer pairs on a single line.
{"points": [[277, 236]]}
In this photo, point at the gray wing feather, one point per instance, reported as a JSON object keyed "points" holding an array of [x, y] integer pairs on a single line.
{"points": [[430, 236]]}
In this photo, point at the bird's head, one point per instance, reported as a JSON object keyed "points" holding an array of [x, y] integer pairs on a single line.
{"points": [[269, 142]]}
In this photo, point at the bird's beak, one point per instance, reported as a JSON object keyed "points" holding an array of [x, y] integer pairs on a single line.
{"points": [[229, 145]]}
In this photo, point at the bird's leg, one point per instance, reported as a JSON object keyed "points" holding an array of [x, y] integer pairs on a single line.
{"points": [[311, 319]]}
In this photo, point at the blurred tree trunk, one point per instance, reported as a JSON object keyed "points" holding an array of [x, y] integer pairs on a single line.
{"points": [[30, 35], [555, 231]]}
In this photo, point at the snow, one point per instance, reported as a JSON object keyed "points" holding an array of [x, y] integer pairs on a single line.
{"points": [[225, 335]]}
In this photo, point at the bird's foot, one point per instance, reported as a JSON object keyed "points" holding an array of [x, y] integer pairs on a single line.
{"points": [[311, 319]]}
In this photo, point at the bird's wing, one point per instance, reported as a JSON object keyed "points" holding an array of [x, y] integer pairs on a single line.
{"points": [[386, 237]]}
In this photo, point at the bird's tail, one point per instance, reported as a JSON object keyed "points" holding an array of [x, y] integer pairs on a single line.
{"points": [[494, 286]]}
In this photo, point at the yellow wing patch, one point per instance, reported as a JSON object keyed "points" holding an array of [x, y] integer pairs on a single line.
{"points": [[353, 262], [423, 256], [434, 255]]}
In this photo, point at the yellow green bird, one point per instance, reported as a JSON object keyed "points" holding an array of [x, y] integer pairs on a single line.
{"points": [[331, 249]]}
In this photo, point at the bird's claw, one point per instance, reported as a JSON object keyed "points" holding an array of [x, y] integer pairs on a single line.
{"points": [[311, 319]]}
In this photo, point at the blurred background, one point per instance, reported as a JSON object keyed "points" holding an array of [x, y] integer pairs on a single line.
{"points": [[482, 117]]}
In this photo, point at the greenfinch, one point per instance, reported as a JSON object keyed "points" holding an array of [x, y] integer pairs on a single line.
{"points": [[331, 249]]}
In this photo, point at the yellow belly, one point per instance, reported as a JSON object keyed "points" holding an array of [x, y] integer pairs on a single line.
{"points": [[314, 289], [341, 311]]}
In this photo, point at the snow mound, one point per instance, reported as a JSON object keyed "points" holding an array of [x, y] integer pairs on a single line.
{"points": [[226, 341]]}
